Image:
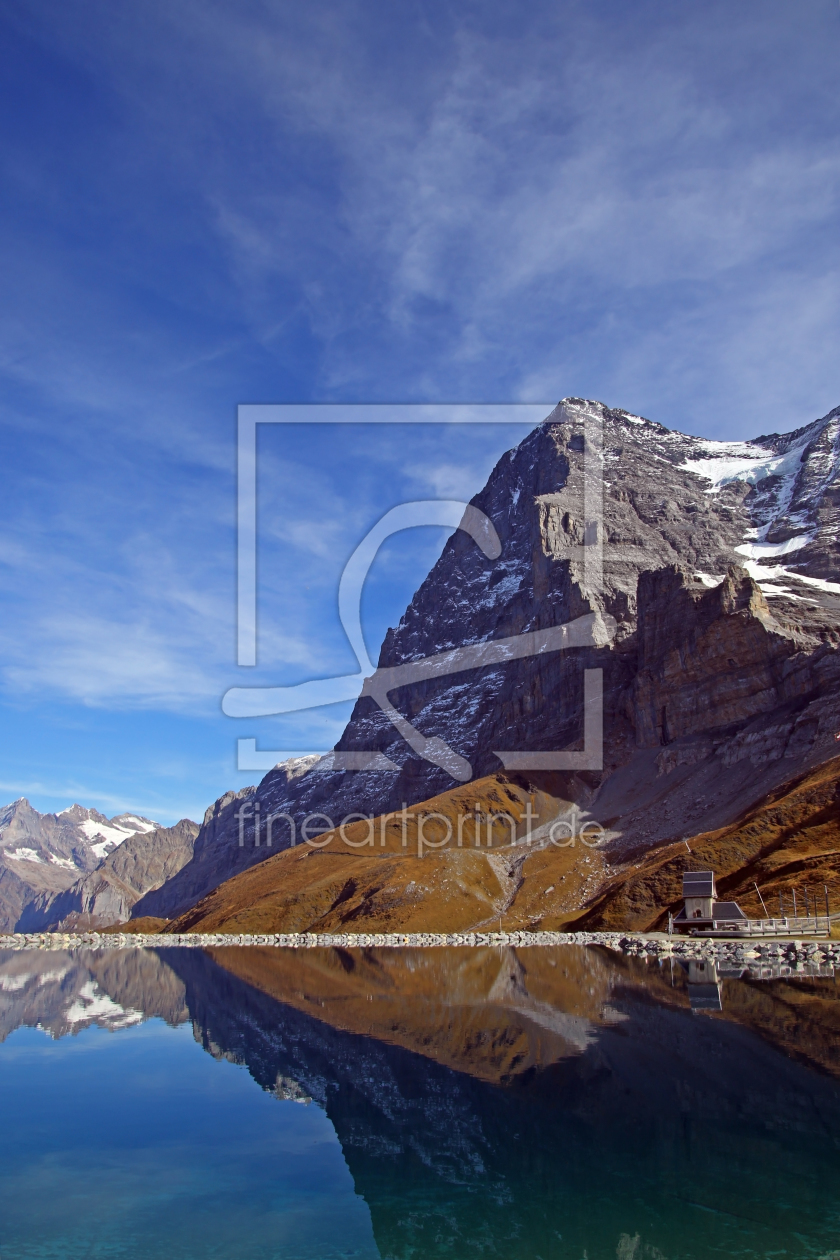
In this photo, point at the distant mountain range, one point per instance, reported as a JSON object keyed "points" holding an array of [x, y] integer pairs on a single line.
{"points": [[713, 612], [80, 868]]}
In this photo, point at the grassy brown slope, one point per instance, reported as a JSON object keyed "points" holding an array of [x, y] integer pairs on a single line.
{"points": [[351, 885], [790, 839], [554, 884], [144, 924]]}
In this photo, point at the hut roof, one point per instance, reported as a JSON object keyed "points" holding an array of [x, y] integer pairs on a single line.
{"points": [[698, 884]]}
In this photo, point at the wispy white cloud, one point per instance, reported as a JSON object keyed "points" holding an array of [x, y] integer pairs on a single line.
{"points": [[561, 172], [500, 207], [244, 203], [449, 481]]}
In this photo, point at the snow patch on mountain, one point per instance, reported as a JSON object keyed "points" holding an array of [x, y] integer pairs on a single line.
{"points": [[24, 855], [764, 550], [105, 838], [764, 575], [722, 463]]}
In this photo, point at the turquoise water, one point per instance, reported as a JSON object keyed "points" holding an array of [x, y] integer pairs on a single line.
{"points": [[136, 1143], [466, 1104]]}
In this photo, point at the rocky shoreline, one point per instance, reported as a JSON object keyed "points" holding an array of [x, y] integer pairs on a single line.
{"points": [[771, 950]]}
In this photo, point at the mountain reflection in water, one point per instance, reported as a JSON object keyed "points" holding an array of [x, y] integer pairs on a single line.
{"points": [[493, 1103]]}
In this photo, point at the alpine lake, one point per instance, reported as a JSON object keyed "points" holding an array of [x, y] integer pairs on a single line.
{"points": [[562, 1103]]}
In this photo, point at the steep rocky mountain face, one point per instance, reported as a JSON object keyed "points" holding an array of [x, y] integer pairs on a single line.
{"points": [[47, 853], [710, 576], [107, 895]]}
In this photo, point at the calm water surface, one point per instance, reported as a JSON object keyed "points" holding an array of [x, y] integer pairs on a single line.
{"points": [[554, 1104]]}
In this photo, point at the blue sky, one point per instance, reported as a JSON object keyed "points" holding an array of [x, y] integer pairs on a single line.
{"points": [[213, 203]]}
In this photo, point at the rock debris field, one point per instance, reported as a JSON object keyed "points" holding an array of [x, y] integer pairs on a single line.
{"points": [[790, 952]]}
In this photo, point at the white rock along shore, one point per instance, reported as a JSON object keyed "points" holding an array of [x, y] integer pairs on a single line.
{"points": [[771, 949]]}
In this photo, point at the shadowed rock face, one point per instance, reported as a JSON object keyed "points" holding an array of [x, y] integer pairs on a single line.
{"points": [[707, 659], [707, 668], [108, 895]]}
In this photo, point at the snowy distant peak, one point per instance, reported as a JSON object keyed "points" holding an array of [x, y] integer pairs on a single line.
{"points": [[19, 807], [76, 839], [135, 822], [80, 814], [132, 822], [105, 836]]}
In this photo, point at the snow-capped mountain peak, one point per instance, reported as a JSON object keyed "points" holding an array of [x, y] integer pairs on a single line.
{"points": [[106, 836], [46, 853]]}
